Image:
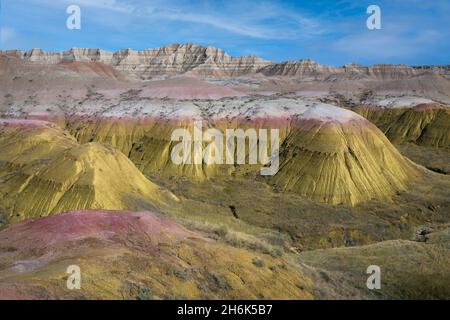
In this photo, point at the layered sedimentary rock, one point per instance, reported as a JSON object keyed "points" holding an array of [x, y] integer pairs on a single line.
{"points": [[425, 124], [301, 69], [168, 60], [335, 156], [426, 262], [308, 69], [209, 61], [327, 153], [44, 171], [167, 261], [383, 71]]}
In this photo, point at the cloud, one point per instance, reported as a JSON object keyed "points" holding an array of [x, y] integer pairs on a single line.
{"points": [[405, 36], [331, 31], [266, 20], [7, 36], [105, 5], [226, 24], [385, 45]]}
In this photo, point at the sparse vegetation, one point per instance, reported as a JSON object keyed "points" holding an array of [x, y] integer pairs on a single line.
{"points": [[236, 239], [258, 262], [138, 291]]}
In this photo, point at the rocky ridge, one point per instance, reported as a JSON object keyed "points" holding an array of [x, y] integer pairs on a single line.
{"points": [[210, 61]]}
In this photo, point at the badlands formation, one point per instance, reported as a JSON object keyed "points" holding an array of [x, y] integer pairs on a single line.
{"points": [[363, 163]]}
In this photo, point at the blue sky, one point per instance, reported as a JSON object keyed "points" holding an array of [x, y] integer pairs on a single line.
{"points": [[413, 32]]}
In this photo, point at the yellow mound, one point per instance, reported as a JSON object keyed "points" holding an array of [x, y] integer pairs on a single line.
{"points": [[147, 143], [341, 163], [427, 127], [410, 269], [44, 171], [330, 155]]}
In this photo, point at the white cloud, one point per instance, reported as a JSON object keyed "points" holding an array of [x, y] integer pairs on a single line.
{"points": [[248, 19], [7, 35], [109, 5], [384, 44]]}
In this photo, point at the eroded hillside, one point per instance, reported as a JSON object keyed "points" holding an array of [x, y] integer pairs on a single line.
{"points": [[361, 177]]}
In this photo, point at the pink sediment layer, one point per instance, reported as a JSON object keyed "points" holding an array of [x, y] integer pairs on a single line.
{"points": [[282, 120], [98, 224], [266, 121], [429, 106], [26, 123]]}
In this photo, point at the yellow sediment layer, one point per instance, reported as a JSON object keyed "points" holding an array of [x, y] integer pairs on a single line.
{"points": [[44, 171], [327, 161], [429, 127], [148, 144], [342, 163], [167, 260]]}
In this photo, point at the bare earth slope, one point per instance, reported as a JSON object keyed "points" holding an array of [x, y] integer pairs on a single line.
{"points": [[86, 131], [335, 156], [44, 171], [136, 255], [410, 269]]}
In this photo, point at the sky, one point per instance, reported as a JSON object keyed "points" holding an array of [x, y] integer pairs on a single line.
{"points": [[413, 32]]}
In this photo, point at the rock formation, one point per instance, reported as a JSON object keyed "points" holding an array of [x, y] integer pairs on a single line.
{"points": [[424, 124], [168, 60], [335, 156], [44, 171], [212, 62], [328, 154]]}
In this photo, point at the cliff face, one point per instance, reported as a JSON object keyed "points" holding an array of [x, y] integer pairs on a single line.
{"points": [[177, 59], [210, 61], [382, 71], [168, 60], [308, 69], [302, 68]]}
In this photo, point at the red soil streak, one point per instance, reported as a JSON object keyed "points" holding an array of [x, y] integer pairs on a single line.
{"points": [[95, 67], [429, 106], [15, 292], [26, 123], [94, 224], [44, 116]]}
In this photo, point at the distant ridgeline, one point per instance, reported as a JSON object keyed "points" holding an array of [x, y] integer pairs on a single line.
{"points": [[210, 61]]}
